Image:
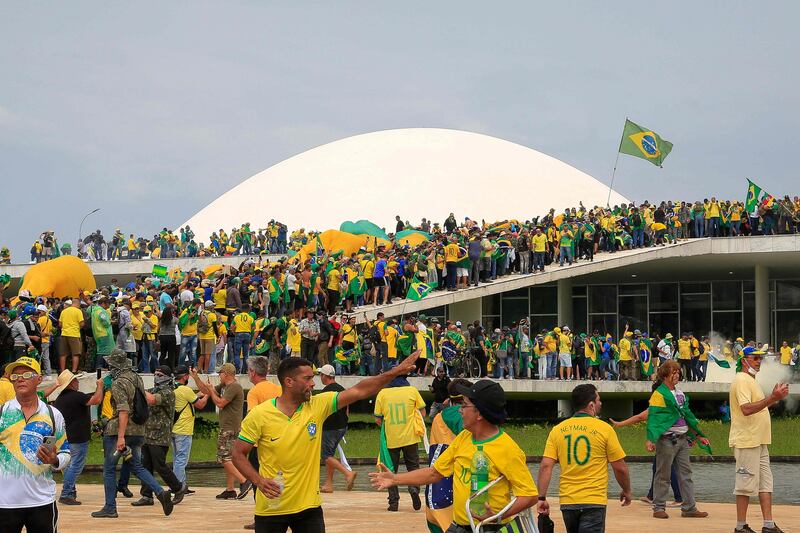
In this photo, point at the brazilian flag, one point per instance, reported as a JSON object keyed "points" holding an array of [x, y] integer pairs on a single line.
{"points": [[646, 144], [419, 289], [646, 356], [405, 343], [383, 454], [357, 286]]}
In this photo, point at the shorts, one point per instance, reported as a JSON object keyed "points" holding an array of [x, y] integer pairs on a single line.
{"points": [[462, 272], [753, 473], [70, 346], [225, 446], [380, 282], [370, 283], [330, 440], [207, 346], [565, 360]]}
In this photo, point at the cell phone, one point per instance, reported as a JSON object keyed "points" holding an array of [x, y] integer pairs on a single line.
{"points": [[99, 373], [49, 442]]}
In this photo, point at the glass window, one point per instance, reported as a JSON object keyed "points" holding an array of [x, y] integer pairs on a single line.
{"points": [[727, 295], [579, 315], [749, 318], [544, 300], [633, 311], [490, 323], [788, 294], [749, 285], [663, 323], [695, 314], [639, 289], [663, 296], [514, 309], [604, 324], [787, 326], [579, 290], [538, 323], [517, 293], [603, 299], [437, 311], [689, 288], [728, 324], [491, 305]]}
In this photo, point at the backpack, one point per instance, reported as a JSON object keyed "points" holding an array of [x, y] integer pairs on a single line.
{"points": [[6, 339], [140, 411], [202, 323], [374, 335]]}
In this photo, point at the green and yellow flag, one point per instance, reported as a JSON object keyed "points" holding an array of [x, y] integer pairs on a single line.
{"points": [[418, 289], [664, 411], [160, 271], [646, 144], [383, 453], [756, 196]]}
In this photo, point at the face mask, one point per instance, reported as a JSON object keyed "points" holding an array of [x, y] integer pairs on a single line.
{"points": [[752, 371]]}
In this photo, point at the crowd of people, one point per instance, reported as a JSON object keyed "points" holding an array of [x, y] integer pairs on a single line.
{"points": [[474, 467], [587, 231]]}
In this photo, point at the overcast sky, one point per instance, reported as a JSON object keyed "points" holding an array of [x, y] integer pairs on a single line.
{"points": [[151, 110]]}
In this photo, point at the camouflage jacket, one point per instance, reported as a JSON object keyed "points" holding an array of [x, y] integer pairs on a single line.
{"points": [[158, 428], [122, 393]]}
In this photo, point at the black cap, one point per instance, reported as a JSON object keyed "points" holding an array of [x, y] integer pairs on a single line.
{"points": [[181, 370], [164, 369], [489, 398]]}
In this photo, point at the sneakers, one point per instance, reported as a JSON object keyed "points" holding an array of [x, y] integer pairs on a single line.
{"points": [[392, 507], [694, 514], [416, 502], [244, 488], [660, 514], [178, 496], [125, 492], [250, 526], [105, 513], [745, 529], [775, 529], [68, 500], [166, 502], [226, 495], [141, 502]]}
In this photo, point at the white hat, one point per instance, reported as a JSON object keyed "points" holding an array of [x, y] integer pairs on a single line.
{"points": [[327, 370], [63, 379], [41, 308]]}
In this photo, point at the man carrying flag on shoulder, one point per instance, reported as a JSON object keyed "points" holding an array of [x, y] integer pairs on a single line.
{"points": [[671, 428]]}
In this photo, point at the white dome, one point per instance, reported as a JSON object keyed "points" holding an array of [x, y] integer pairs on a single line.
{"points": [[414, 173]]}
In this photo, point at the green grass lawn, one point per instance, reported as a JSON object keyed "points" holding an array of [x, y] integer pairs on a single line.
{"points": [[363, 437]]}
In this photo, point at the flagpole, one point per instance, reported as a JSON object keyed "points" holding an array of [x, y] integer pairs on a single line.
{"points": [[614, 172]]}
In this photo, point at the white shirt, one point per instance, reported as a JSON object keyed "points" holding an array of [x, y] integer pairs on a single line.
{"points": [[25, 481], [665, 349]]}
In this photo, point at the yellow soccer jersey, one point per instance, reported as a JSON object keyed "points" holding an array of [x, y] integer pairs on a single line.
{"points": [[583, 446]]}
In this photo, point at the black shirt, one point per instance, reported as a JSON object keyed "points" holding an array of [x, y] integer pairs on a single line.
{"points": [[337, 420], [72, 405], [439, 387]]}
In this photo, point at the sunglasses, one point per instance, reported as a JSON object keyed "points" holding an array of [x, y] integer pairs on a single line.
{"points": [[757, 357], [24, 375]]}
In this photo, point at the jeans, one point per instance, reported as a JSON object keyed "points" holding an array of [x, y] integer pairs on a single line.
{"points": [[676, 489], [552, 365], [638, 238], [241, 346], [411, 459], [188, 350], [367, 367], [565, 252], [525, 262], [699, 226], [149, 360], [474, 270], [714, 226], [538, 261], [110, 468], [78, 459], [542, 367], [451, 275], [181, 447], [584, 518]]}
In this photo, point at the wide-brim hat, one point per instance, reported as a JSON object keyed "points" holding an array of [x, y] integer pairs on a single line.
{"points": [[63, 379], [118, 359]]}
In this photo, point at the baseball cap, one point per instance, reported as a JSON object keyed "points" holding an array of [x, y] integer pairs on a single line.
{"points": [[41, 308], [488, 397], [164, 369], [181, 370], [749, 350], [228, 368], [25, 361], [327, 370]]}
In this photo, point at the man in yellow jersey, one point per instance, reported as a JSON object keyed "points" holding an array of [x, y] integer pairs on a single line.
{"points": [[398, 410], [482, 412], [70, 321], [263, 390], [626, 362], [539, 242], [243, 324], [583, 445], [288, 432], [186, 401], [451, 253], [684, 356]]}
